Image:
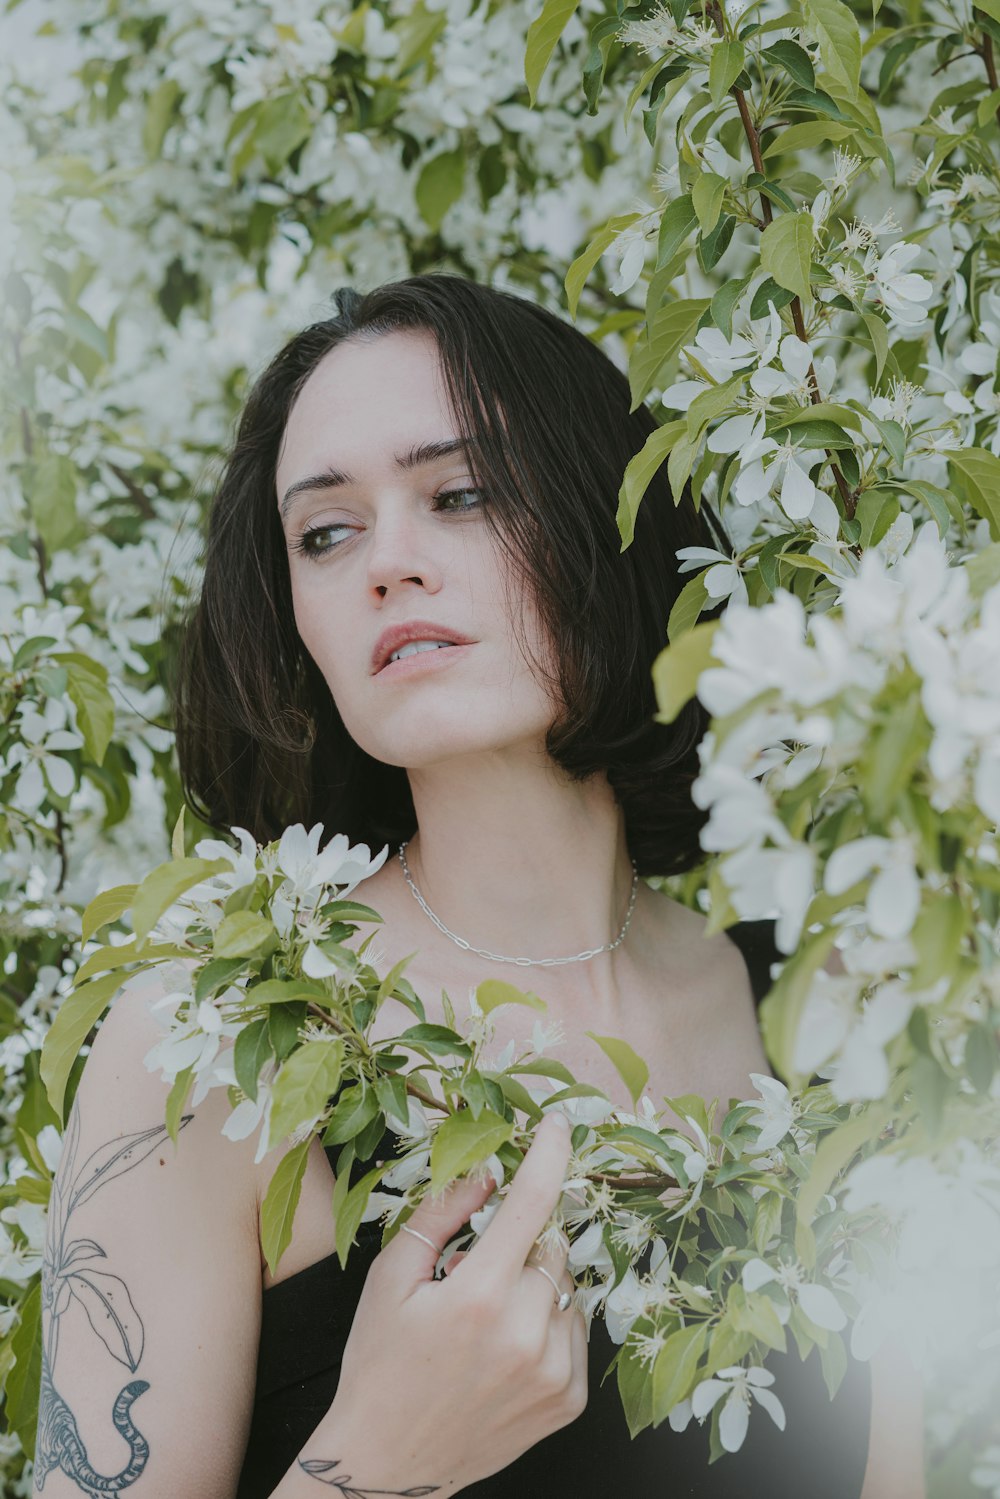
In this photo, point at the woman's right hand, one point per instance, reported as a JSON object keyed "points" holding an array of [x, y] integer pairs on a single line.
{"points": [[444, 1382]]}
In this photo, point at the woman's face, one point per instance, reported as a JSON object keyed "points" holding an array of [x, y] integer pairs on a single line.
{"points": [[377, 540]]}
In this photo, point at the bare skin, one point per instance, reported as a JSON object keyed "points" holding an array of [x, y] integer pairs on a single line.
{"points": [[694, 1022]]}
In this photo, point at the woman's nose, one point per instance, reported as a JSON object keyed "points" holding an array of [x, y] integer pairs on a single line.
{"points": [[400, 554]]}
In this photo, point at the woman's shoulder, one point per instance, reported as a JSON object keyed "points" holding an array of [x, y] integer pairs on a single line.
{"points": [[741, 953], [122, 1089]]}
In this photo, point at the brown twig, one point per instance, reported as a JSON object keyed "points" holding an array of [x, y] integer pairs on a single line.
{"points": [[135, 492], [986, 53], [660, 1182]]}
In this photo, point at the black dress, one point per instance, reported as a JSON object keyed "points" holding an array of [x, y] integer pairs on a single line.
{"points": [[306, 1319]]}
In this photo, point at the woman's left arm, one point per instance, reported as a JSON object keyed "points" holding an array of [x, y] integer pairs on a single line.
{"points": [[896, 1445]]}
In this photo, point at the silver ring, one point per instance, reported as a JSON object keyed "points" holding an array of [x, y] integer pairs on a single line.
{"points": [[564, 1299], [418, 1235]]}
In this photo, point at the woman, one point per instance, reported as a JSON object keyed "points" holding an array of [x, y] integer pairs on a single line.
{"points": [[417, 627]]}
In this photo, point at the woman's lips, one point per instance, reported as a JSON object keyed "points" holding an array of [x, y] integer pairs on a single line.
{"points": [[422, 662]]}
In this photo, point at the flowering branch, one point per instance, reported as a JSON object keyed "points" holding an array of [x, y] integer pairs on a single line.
{"points": [[753, 138]]}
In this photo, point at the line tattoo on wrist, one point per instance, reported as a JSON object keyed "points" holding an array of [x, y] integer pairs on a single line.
{"points": [[320, 1467]]}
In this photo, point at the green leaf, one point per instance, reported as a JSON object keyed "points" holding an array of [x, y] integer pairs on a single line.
{"points": [[712, 247], [725, 67], [979, 471], [163, 885], [809, 134], [983, 570], [244, 934], [391, 1091], [679, 665], [473, 1090], [30, 649], [672, 325], [756, 1313], [176, 1101], [707, 197], [495, 992], [159, 112], [937, 937], [769, 294], [988, 106], [942, 504], [250, 1051], [833, 1360], [786, 251], [218, 973], [876, 511], [836, 30], [676, 1368], [795, 61], [639, 474], [724, 304], [282, 124], [303, 1085], [627, 1063], [24, 1379], [437, 1038], [86, 684], [981, 1056], [893, 749], [76, 1016], [576, 276], [392, 978], [351, 1211], [440, 185], [781, 1010], [635, 1389], [818, 102], [817, 434], [879, 335], [543, 33], [286, 991], [52, 497], [105, 907], [834, 1153], [354, 1111], [679, 218], [712, 403], [107, 958], [461, 1142], [544, 1067], [516, 1095], [892, 435], [828, 411], [689, 603], [277, 1210]]}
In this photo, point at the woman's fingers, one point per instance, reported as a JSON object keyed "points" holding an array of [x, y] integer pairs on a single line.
{"points": [[509, 1238], [435, 1219]]}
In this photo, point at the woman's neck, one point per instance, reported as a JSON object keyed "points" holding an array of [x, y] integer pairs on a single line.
{"points": [[516, 858]]}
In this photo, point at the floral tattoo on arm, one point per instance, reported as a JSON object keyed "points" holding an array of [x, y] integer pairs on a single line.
{"points": [[67, 1275]]}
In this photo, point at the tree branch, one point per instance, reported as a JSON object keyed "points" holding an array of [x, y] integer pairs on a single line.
{"points": [[753, 138], [986, 53]]}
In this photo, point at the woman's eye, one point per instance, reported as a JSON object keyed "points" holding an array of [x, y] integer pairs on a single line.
{"points": [[304, 543], [457, 494]]}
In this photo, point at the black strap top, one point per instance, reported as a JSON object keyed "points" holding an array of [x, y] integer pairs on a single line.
{"points": [[306, 1319]]}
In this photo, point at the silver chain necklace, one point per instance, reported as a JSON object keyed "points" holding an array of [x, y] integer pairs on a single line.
{"points": [[494, 957]]}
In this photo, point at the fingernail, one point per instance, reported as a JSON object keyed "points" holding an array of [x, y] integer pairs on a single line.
{"points": [[560, 1118]]}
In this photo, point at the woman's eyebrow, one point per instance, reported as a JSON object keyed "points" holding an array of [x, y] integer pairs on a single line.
{"points": [[334, 478]]}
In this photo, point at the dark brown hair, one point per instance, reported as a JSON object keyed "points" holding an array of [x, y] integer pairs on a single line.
{"points": [[259, 740]]}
